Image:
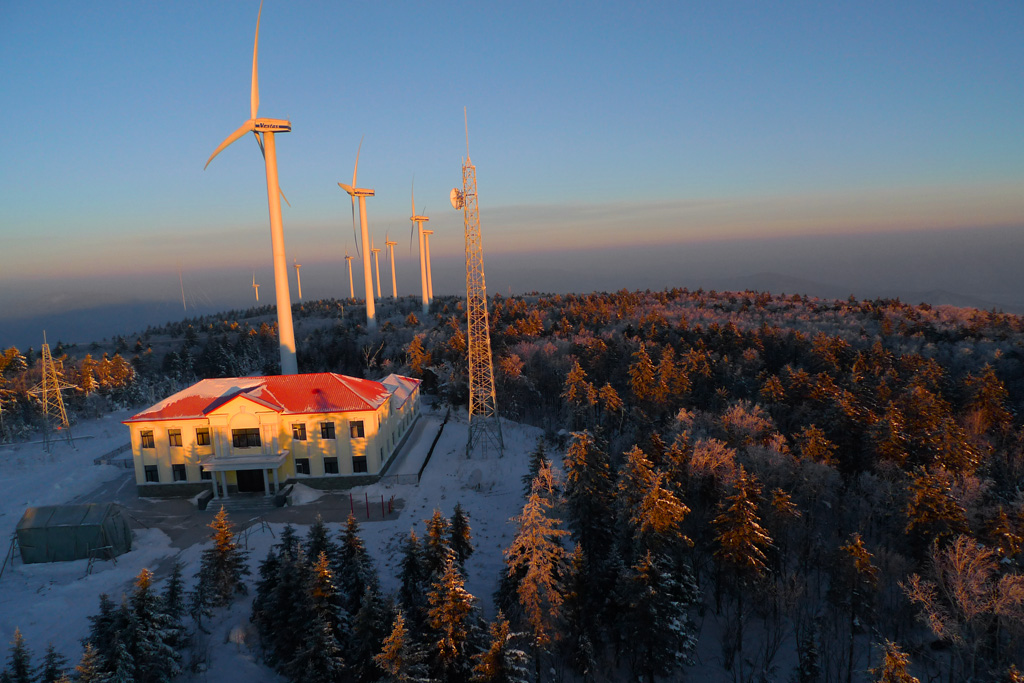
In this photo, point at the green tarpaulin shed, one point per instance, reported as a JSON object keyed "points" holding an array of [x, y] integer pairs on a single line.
{"points": [[60, 533]]}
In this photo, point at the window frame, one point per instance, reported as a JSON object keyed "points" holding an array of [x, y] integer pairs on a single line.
{"points": [[359, 465], [151, 474], [302, 467], [331, 466], [179, 470], [202, 436], [243, 438], [174, 437], [327, 430], [205, 474], [298, 431], [147, 439], [356, 426]]}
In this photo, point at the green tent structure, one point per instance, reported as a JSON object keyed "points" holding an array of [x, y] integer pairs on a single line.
{"points": [[61, 533]]}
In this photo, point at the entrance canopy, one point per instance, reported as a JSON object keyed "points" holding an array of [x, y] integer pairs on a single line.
{"points": [[256, 461]]}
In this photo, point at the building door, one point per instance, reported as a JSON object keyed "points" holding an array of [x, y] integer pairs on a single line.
{"points": [[250, 481]]}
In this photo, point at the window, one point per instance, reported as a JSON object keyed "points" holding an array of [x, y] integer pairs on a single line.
{"points": [[147, 439], [202, 436], [299, 432], [330, 465], [245, 438], [355, 429], [205, 474], [359, 463], [326, 430], [152, 474], [174, 437], [178, 473], [301, 465]]}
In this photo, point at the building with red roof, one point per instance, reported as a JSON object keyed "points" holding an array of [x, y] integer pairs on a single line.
{"points": [[252, 434]]}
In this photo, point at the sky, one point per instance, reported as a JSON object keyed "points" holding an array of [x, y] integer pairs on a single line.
{"points": [[874, 147]]}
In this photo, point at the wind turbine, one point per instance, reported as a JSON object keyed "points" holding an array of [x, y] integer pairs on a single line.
{"points": [[391, 252], [351, 289], [353, 192], [419, 221], [426, 248], [264, 130], [376, 265], [255, 286], [298, 278]]}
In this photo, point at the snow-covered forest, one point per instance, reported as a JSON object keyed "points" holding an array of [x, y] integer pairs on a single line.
{"points": [[731, 486]]}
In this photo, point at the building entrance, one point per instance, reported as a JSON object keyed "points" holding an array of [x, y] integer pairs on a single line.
{"points": [[250, 481]]}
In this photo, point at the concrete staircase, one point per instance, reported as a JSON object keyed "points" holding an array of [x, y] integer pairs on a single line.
{"points": [[242, 502]]}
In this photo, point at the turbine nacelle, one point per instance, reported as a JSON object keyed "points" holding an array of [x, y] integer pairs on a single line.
{"points": [[356, 191]]}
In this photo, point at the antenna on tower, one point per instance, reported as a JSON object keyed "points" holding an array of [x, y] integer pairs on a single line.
{"points": [[48, 392], [484, 423]]}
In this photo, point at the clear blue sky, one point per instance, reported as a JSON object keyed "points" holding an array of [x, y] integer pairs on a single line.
{"points": [[592, 124]]}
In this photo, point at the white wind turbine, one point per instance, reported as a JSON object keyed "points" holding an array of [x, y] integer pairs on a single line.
{"points": [[353, 192], [391, 253], [418, 221], [264, 130], [351, 289], [426, 249], [298, 278], [376, 265], [255, 286]]}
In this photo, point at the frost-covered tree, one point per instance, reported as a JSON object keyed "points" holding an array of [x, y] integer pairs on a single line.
{"points": [[318, 541], [538, 457], [853, 587], [401, 658], [369, 629], [413, 580], [54, 666], [502, 661], [589, 495], [354, 570], [461, 535], [90, 667], [436, 544], [893, 668], [153, 635], [19, 661], [451, 619], [223, 567]]}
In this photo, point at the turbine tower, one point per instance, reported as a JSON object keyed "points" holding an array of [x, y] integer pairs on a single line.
{"points": [[255, 286], [418, 221], [484, 423], [426, 250], [351, 289], [391, 253], [264, 130], [298, 278], [376, 265], [353, 192]]}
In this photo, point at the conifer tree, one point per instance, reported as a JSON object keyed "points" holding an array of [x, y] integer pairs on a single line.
{"points": [[933, 515], [103, 629], [537, 553], [581, 614], [413, 581], [538, 457], [436, 544], [318, 541], [152, 635], [55, 665], [174, 595], [223, 567], [318, 658], [369, 629], [287, 608], [808, 660], [354, 570], [894, 666], [89, 669], [19, 661], [450, 617], [853, 589], [502, 661], [589, 493], [461, 536], [121, 667], [641, 376], [401, 658]]}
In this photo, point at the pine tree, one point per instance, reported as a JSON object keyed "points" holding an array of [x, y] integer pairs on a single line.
{"points": [[369, 629], [461, 536], [19, 661], [589, 492], [401, 658], [317, 658], [89, 669], [581, 614], [808, 660], [894, 667], [288, 606], [55, 665], [121, 666], [153, 635], [318, 541], [414, 580], [450, 617], [224, 565], [436, 544], [174, 604], [641, 376], [354, 570], [537, 553], [103, 629], [538, 457], [502, 662], [853, 589], [933, 515]]}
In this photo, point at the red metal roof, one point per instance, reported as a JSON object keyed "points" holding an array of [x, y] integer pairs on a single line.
{"points": [[321, 392]]}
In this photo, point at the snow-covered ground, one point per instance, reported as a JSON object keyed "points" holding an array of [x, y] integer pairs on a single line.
{"points": [[52, 602]]}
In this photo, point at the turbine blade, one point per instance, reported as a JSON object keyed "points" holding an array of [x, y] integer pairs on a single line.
{"points": [[355, 233], [259, 141], [254, 97], [355, 172], [246, 127]]}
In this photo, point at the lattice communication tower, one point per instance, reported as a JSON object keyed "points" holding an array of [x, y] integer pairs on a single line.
{"points": [[484, 423], [48, 392]]}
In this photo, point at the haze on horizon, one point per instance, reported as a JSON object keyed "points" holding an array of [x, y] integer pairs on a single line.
{"points": [[876, 150]]}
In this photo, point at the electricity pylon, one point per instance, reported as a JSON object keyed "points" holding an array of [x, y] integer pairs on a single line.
{"points": [[484, 423], [48, 392]]}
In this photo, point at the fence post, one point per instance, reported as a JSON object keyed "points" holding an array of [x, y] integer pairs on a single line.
{"points": [[351, 504], [367, 497]]}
